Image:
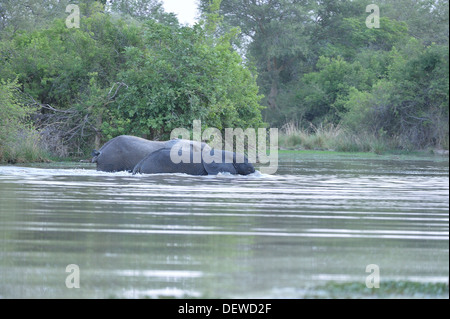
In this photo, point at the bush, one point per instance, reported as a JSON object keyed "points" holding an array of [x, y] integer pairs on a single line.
{"points": [[112, 77], [410, 105], [181, 76], [19, 141], [335, 137]]}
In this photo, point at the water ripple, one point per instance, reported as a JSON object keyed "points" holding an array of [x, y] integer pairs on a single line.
{"points": [[191, 236]]}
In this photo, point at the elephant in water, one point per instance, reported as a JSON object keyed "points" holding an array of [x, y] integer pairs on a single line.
{"points": [[192, 158], [138, 155], [122, 153]]}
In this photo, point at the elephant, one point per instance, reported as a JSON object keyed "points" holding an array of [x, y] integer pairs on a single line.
{"points": [[202, 160], [138, 155], [122, 153]]}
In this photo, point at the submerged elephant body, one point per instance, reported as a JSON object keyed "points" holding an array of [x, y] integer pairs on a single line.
{"points": [[199, 160], [137, 155], [159, 162], [122, 153]]}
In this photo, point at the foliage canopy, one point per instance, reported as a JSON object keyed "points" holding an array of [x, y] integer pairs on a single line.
{"points": [[318, 63], [127, 70]]}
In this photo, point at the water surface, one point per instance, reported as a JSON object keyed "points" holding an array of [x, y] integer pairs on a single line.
{"points": [[321, 219]]}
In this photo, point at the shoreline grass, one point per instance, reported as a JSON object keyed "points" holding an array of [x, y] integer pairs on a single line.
{"points": [[28, 148], [334, 138], [25, 148]]}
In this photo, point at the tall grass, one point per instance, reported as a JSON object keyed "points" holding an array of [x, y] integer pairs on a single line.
{"points": [[333, 137], [19, 140], [26, 147]]}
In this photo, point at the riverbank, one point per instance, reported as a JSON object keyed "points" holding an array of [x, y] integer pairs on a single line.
{"points": [[389, 155], [329, 141], [71, 162], [335, 138]]}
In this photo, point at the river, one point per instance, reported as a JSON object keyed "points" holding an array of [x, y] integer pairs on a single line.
{"points": [[318, 223]]}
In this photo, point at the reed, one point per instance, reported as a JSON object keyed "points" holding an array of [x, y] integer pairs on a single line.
{"points": [[25, 148], [333, 137]]}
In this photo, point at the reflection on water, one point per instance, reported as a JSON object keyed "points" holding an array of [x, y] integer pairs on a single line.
{"points": [[320, 219]]}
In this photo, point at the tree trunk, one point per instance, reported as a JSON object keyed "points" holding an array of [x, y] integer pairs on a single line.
{"points": [[274, 71]]}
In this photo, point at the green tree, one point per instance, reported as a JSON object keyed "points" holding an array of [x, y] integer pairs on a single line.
{"points": [[276, 34], [141, 10], [13, 115], [118, 75], [410, 104], [427, 20], [181, 76], [19, 142], [419, 98], [72, 70], [319, 92], [28, 14]]}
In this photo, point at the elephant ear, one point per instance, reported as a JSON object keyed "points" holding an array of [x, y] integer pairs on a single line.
{"points": [[222, 162]]}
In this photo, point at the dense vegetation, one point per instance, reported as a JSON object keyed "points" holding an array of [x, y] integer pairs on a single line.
{"points": [[19, 141], [118, 73], [131, 68], [319, 65]]}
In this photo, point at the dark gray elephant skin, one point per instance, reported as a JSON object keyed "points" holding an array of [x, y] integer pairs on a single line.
{"points": [[161, 162], [122, 153]]}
